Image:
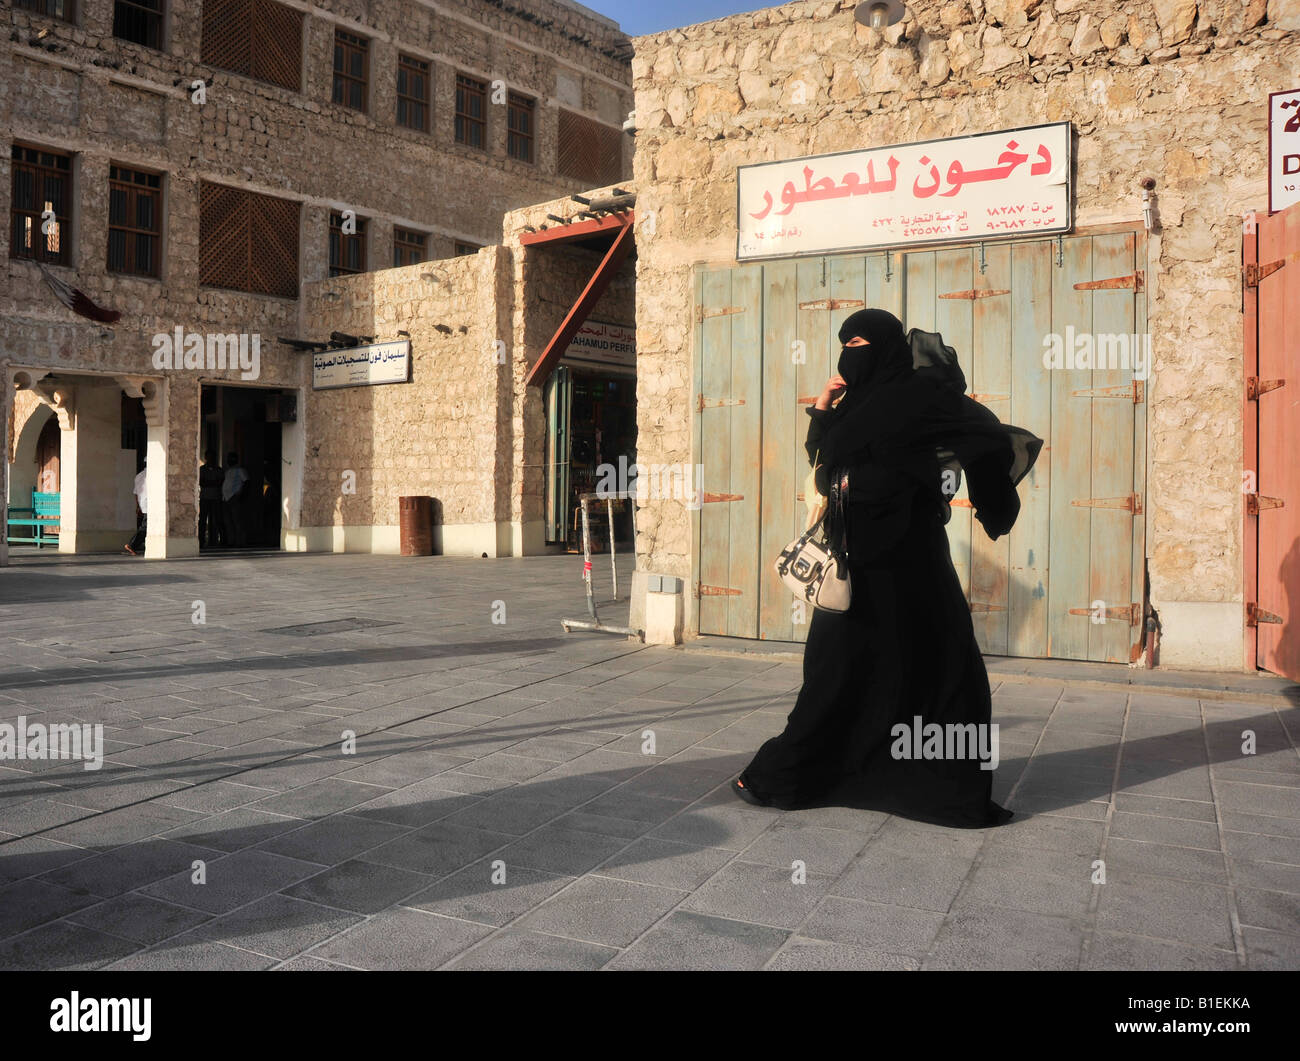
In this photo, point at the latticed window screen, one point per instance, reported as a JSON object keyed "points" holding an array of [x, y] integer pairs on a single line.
{"points": [[257, 38], [247, 241], [41, 181], [134, 221], [588, 150]]}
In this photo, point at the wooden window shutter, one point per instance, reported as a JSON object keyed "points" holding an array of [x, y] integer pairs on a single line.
{"points": [[247, 241], [588, 150]]}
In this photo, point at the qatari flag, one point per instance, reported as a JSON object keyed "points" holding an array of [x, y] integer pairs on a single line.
{"points": [[78, 301]]}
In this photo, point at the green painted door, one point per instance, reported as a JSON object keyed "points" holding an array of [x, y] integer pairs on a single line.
{"points": [[1068, 581]]}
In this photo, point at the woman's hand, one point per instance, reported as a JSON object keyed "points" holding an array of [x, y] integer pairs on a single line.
{"points": [[834, 387]]}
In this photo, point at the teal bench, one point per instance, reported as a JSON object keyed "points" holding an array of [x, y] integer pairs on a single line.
{"points": [[42, 515]]}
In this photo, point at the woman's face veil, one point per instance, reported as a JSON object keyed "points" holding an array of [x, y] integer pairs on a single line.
{"points": [[885, 358]]}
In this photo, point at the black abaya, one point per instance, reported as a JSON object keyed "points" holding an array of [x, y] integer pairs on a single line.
{"points": [[906, 647]]}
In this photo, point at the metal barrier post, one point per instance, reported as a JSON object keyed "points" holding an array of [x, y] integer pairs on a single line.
{"points": [[595, 623]]}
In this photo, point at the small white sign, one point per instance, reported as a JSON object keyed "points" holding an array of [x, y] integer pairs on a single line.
{"points": [[985, 186], [1283, 149], [605, 344], [362, 366]]}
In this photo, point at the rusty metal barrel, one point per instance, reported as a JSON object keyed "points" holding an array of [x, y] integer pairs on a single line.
{"points": [[416, 525]]}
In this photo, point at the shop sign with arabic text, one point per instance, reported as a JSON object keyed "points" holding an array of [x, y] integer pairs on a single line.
{"points": [[987, 186], [362, 366]]}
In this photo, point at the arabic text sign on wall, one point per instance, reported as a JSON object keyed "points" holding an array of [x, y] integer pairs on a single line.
{"points": [[362, 366], [1006, 183], [1283, 149], [605, 344]]}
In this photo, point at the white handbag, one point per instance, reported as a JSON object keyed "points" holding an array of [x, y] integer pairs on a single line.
{"points": [[810, 566]]}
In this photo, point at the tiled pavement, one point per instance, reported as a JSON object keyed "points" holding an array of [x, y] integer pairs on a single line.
{"points": [[501, 811]]}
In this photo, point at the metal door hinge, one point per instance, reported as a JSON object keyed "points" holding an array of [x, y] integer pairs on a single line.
{"points": [[701, 590], [974, 293], [701, 314], [716, 403], [1134, 281], [1135, 392], [832, 303], [1255, 503], [1256, 615], [1129, 613], [1256, 386], [1131, 502]]}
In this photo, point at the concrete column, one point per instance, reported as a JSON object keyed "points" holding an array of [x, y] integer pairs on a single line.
{"points": [[157, 543]]}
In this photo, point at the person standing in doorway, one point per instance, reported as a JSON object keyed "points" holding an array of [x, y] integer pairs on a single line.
{"points": [[233, 488], [136, 545], [212, 532]]}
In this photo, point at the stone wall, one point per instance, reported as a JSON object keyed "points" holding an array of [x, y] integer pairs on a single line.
{"points": [[78, 90], [1173, 89], [466, 429], [434, 436]]}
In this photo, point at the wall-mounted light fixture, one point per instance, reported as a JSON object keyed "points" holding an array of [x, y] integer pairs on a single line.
{"points": [[879, 13], [1148, 203]]}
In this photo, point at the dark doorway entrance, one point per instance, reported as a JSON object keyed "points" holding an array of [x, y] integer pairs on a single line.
{"points": [[246, 422]]}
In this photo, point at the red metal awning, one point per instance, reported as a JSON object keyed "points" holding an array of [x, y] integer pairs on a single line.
{"points": [[621, 227]]}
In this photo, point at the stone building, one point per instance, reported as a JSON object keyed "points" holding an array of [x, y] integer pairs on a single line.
{"points": [[190, 166], [1137, 508]]}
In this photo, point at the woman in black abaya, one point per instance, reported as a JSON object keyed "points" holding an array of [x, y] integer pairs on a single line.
{"points": [[906, 646]]}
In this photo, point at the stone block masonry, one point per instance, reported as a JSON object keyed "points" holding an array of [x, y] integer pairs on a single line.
{"points": [[1172, 89]]}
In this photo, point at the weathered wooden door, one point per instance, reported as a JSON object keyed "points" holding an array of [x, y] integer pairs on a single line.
{"points": [[1067, 582], [1272, 469]]}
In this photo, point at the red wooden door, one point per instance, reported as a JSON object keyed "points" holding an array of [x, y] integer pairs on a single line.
{"points": [[1271, 482], [47, 458]]}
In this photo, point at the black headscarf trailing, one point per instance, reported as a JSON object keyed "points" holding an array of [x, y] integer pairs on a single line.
{"points": [[905, 414]]}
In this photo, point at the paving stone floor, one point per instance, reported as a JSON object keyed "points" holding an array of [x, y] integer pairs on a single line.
{"points": [[500, 809]]}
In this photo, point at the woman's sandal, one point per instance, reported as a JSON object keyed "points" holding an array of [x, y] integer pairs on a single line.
{"points": [[738, 787]]}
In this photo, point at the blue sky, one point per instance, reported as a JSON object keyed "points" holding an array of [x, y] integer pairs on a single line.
{"points": [[637, 17]]}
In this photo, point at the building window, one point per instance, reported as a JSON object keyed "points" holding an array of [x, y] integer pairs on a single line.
{"points": [[61, 9], [409, 248], [40, 205], [519, 135], [351, 67], [256, 38], [413, 93], [347, 251], [588, 150], [471, 111], [247, 241], [466, 248], [139, 21], [134, 221]]}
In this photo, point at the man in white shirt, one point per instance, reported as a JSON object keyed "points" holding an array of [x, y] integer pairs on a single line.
{"points": [[136, 545], [232, 497]]}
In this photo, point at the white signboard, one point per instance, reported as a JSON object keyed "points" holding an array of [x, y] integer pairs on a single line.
{"points": [[1007, 183], [605, 344], [362, 366], [1283, 149]]}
